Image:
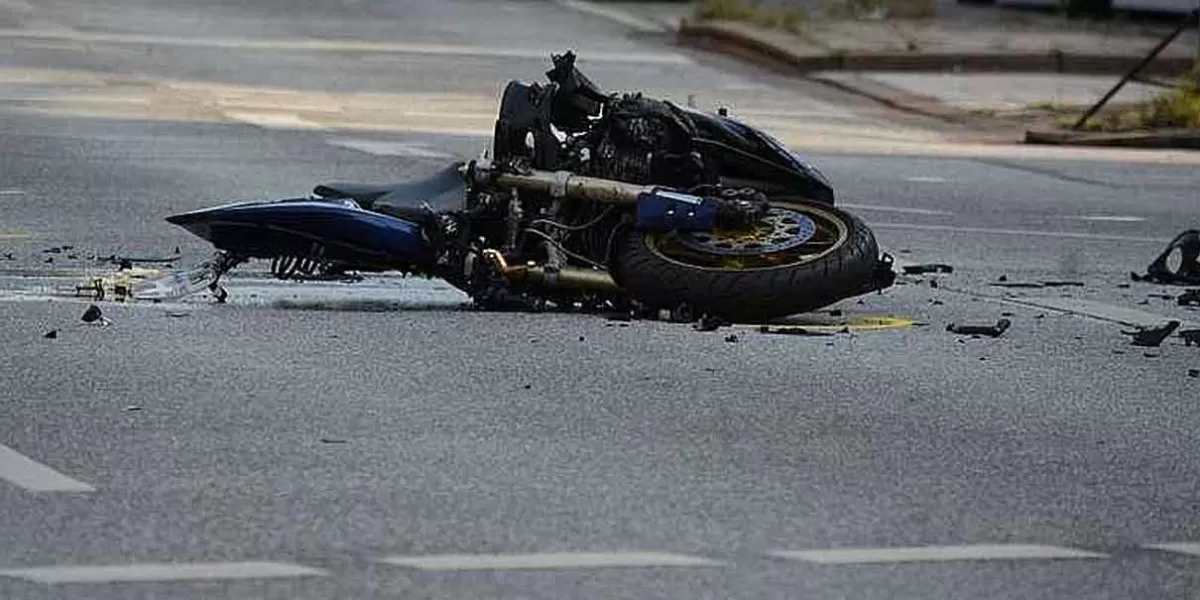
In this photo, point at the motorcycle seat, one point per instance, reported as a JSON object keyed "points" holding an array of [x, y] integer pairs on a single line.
{"points": [[439, 189]]}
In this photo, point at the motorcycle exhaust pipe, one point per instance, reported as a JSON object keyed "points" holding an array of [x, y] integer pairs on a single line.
{"points": [[573, 278], [562, 184]]}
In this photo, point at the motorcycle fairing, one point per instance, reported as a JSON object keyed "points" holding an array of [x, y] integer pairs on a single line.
{"points": [[340, 229]]}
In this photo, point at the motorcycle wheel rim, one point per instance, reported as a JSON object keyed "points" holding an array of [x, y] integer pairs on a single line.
{"points": [[814, 234]]}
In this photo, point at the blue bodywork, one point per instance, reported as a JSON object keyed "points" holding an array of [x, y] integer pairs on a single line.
{"points": [[343, 230], [664, 210]]}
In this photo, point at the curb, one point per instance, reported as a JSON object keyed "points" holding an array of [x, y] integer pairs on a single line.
{"points": [[728, 39], [1182, 139]]}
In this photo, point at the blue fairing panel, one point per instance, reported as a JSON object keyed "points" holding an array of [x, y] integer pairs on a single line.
{"points": [[292, 227]]}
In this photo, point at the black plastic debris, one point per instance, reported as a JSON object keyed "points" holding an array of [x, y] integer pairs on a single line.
{"points": [[928, 268], [54, 250], [1062, 283], [8, 256], [1188, 271], [178, 314], [1152, 337], [1189, 298], [1005, 283], [996, 330], [332, 441], [51, 335], [732, 339], [1193, 373], [793, 331], [92, 315], [710, 323], [132, 408], [933, 283], [1190, 336], [49, 259]]}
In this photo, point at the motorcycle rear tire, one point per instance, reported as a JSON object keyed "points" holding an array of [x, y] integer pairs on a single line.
{"points": [[847, 268]]}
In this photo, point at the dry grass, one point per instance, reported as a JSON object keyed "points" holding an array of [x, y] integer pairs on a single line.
{"points": [[1176, 109], [781, 17]]}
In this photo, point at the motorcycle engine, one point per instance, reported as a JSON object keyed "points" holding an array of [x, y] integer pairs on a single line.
{"points": [[642, 140]]}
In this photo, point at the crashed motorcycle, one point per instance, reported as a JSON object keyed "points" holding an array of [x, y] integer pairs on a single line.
{"points": [[585, 200]]}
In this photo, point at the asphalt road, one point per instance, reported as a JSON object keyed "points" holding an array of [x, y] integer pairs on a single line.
{"points": [[336, 441]]}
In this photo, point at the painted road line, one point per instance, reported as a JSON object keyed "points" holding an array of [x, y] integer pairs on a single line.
{"points": [[617, 16], [934, 554], [161, 572], [895, 209], [12, 192], [329, 45], [1022, 232], [1190, 548], [384, 148], [15, 236], [548, 560], [926, 179], [272, 120], [1097, 310], [29, 474], [1110, 218]]}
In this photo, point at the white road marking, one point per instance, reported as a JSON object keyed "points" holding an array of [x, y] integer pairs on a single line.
{"points": [[548, 560], [934, 553], [1019, 232], [1098, 310], [327, 45], [895, 209], [1110, 218], [926, 179], [161, 572], [272, 120], [384, 148], [12, 192], [1191, 548], [614, 15], [27, 473]]}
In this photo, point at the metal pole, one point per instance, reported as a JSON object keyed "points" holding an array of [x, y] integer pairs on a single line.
{"points": [[1133, 72]]}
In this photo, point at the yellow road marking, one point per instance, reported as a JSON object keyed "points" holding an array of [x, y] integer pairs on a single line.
{"points": [[856, 324]]}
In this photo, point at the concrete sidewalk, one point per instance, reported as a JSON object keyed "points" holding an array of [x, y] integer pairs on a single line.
{"points": [[977, 64]]}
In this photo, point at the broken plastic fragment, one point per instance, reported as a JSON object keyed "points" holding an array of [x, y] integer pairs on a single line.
{"points": [[989, 330], [928, 268], [1152, 337]]}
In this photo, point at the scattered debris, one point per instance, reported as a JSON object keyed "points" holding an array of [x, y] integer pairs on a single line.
{"points": [[1006, 314], [1123, 285], [1005, 283], [1152, 337], [49, 259], [710, 323], [1150, 354], [1189, 298], [51, 335], [8, 256], [793, 331], [1161, 296], [581, 338], [732, 339], [1002, 278], [989, 330], [1188, 273], [936, 302], [132, 408], [1118, 352], [1190, 336], [933, 283], [1062, 283], [54, 250], [528, 386], [1193, 373], [177, 314], [332, 441], [93, 315], [928, 268]]}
